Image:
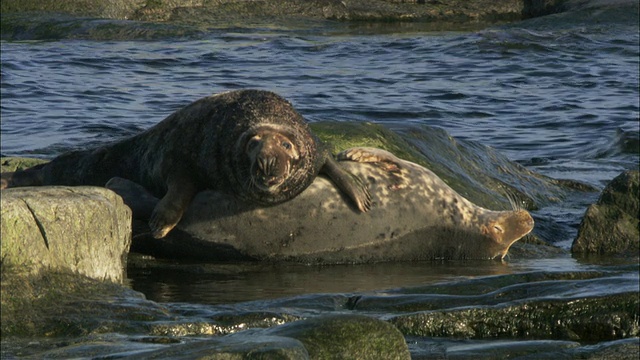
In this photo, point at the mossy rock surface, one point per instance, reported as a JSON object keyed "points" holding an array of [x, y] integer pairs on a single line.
{"points": [[59, 304], [11, 164]]}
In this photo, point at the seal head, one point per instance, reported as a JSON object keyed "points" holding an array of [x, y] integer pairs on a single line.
{"points": [[273, 155], [505, 228], [269, 164]]}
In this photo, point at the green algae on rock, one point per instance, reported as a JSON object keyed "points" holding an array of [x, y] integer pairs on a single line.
{"points": [[346, 337], [11, 164], [585, 314], [557, 305]]}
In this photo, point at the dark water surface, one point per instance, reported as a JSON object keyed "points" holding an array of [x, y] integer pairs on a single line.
{"points": [[558, 95], [231, 283]]}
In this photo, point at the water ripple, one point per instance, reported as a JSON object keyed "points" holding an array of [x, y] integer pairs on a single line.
{"points": [[549, 91]]}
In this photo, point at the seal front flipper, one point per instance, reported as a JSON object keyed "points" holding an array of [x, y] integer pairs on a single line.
{"points": [[385, 159], [169, 211], [348, 183]]}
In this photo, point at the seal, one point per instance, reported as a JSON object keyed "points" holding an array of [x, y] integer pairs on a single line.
{"points": [[251, 144], [415, 215]]}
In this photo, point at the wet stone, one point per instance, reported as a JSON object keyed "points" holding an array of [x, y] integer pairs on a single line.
{"points": [[612, 225]]}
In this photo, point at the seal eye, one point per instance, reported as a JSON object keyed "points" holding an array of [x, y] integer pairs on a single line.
{"points": [[252, 143], [286, 145], [498, 229]]}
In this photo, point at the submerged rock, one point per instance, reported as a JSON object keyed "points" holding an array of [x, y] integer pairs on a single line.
{"points": [[322, 337], [84, 230], [612, 225], [61, 304], [346, 337], [534, 307], [232, 347], [583, 314]]}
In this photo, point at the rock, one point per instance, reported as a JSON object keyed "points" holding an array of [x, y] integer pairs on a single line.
{"points": [[322, 337], [346, 337], [626, 349], [62, 304], [159, 19], [232, 347], [572, 318], [109, 9], [612, 224], [456, 11], [577, 314], [83, 230], [11, 164]]}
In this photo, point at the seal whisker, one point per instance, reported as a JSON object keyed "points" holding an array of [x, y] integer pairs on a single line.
{"points": [[513, 200]]}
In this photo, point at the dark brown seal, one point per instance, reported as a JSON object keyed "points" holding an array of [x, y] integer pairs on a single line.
{"points": [[249, 143]]}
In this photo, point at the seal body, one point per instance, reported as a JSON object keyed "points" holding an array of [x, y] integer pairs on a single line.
{"points": [[250, 144], [415, 216]]}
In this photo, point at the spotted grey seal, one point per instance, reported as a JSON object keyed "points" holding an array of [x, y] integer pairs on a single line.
{"points": [[252, 144], [415, 216]]}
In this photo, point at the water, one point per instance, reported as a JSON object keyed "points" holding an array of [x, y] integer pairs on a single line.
{"points": [[560, 95], [561, 100], [231, 284]]}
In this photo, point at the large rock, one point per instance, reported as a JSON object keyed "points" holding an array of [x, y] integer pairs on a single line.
{"points": [[84, 230], [458, 11], [612, 225]]}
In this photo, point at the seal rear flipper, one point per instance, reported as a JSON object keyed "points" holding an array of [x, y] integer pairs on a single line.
{"points": [[135, 196], [350, 184], [169, 211], [28, 177]]}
